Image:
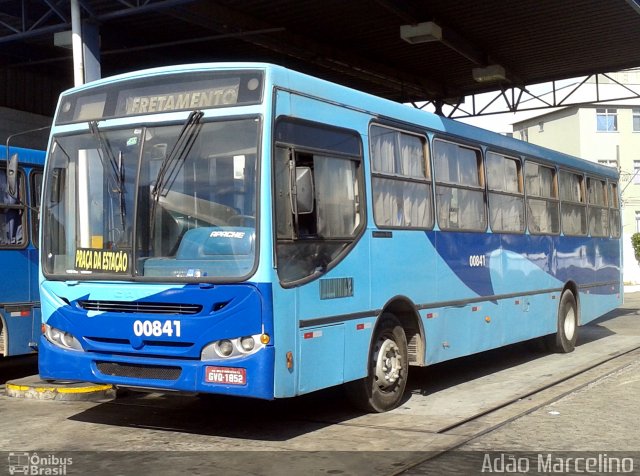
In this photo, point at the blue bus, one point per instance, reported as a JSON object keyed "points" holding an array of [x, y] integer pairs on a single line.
{"points": [[244, 229], [19, 230]]}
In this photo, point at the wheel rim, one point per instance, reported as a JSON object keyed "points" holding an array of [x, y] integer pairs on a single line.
{"points": [[570, 323], [388, 364]]}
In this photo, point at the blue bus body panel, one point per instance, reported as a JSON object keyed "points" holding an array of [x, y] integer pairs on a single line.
{"points": [[463, 308], [23, 329], [19, 297], [227, 311]]}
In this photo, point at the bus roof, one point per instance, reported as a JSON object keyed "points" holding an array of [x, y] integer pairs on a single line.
{"points": [[410, 115], [376, 106]]}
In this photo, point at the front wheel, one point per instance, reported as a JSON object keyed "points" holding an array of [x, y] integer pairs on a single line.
{"points": [[564, 340], [382, 389]]}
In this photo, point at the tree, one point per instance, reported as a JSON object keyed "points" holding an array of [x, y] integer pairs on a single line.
{"points": [[635, 242]]}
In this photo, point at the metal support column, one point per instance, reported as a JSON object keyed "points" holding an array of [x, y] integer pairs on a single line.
{"points": [[91, 50], [76, 41], [86, 47]]}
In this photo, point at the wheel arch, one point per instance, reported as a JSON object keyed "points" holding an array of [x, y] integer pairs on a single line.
{"points": [[407, 313]]}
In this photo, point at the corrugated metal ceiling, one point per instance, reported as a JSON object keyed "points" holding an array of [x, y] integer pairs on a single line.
{"points": [[354, 42]]}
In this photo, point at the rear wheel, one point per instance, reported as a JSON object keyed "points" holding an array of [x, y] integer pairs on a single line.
{"points": [[564, 340], [382, 389]]}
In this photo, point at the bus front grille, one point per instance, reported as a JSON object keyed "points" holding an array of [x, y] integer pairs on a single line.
{"points": [[140, 307], [150, 372]]}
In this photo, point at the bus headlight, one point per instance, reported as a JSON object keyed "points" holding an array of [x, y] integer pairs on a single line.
{"points": [[238, 347], [61, 338], [247, 343], [225, 348]]}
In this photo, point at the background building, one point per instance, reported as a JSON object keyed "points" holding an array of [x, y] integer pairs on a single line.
{"points": [[607, 133]]}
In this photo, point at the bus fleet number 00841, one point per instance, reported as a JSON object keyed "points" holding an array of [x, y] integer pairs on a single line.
{"points": [[156, 328], [477, 260]]}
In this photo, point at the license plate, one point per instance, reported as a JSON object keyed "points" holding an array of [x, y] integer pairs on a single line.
{"points": [[226, 375]]}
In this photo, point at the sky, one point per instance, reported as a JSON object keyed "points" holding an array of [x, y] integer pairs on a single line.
{"points": [[574, 90]]}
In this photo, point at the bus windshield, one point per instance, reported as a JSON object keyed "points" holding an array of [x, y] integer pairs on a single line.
{"points": [[176, 201]]}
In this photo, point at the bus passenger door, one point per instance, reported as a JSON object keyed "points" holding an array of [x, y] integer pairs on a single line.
{"points": [[322, 258]]}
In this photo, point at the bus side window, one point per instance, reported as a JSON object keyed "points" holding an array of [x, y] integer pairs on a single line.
{"points": [[36, 191], [573, 205], [543, 216], [12, 226], [400, 179], [317, 197], [506, 195], [459, 179], [598, 212], [614, 212]]}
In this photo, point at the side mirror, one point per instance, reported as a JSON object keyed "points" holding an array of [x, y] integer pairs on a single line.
{"points": [[12, 175], [304, 192]]}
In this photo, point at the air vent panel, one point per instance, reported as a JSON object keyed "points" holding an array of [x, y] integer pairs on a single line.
{"points": [[137, 307]]}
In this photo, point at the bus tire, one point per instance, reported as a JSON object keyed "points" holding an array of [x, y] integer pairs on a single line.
{"points": [[388, 365], [564, 340]]}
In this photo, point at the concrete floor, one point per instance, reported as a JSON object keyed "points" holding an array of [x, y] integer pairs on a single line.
{"points": [[448, 405]]}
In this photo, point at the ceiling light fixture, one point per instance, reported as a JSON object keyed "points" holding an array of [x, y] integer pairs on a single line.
{"points": [[421, 33], [493, 72]]}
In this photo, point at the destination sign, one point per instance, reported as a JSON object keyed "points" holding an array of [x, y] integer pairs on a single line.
{"points": [[214, 97], [162, 93], [106, 261]]}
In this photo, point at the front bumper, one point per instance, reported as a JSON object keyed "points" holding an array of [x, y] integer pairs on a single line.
{"points": [[157, 373]]}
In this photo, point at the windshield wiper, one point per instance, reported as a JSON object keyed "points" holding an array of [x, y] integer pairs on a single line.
{"points": [[180, 150], [105, 149], [115, 171], [172, 162]]}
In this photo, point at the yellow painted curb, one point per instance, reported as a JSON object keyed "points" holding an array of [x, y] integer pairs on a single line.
{"points": [[93, 388]]}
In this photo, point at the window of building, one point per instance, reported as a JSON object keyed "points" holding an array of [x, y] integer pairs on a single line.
{"points": [[636, 172], [607, 119], [598, 211], [400, 179], [524, 134], [636, 119], [506, 197], [459, 179], [543, 215], [573, 204]]}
